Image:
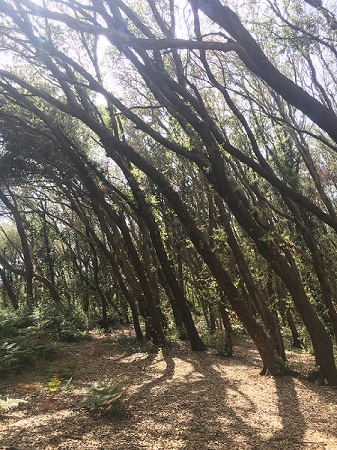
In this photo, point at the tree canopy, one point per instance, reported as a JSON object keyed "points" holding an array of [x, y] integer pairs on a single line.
{"points": [[174, 160]]}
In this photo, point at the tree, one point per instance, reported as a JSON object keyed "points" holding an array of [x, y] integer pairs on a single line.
{"points": [[221, 106]]}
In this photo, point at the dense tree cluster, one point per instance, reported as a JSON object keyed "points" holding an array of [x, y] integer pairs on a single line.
{"points": [[173, 160]]}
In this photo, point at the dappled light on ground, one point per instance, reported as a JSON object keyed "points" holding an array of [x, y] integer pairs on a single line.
{"points": [[176, 399]]}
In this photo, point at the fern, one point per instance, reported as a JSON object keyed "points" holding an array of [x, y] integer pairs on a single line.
{"points": [[105, 398], [24, 348]]}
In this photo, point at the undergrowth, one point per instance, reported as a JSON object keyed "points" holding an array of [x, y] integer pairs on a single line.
{"points": [[106, 398], [219, 342], [25, 347]]}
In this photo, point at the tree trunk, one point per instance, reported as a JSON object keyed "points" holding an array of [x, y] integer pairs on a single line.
{"points": [[263, 309], [25, 246], [10, 292], [228, 327], [319, 337], [167, 266], [253, 57]]}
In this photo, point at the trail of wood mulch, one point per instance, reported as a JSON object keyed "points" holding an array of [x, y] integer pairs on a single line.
{"points": [[176, 400]]}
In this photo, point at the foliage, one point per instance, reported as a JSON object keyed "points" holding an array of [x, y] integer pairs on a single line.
{"points": [[66, 370], [62, 376], [12, 321], [106, 398], [218, 183], [25, 348], [218, 342], [27, 338], [68, 324], [54, 383], [95, 319], [175, 336]]}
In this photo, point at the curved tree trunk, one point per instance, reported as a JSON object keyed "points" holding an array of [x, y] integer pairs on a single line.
{"points": [[263, 309], [320, 339], [253, 57], [167, 266]]}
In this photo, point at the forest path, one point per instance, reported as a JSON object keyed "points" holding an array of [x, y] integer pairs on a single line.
{"points": [[176, 399]]}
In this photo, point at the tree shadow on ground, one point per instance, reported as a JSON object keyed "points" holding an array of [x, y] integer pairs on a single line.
{"points": [[292, 433], [177, 400], [327, 396], [215, 423]]}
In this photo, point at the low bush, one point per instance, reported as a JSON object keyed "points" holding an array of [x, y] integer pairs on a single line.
{"points": [[219, 342], [13, 321], [68, 324], [106, 398], [25, 347]]}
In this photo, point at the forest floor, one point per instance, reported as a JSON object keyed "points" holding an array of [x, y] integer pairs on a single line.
{"points": [[176, 399]]}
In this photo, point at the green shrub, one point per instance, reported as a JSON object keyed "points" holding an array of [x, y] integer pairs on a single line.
{"points": [[71, 335], [66, 370], [174, 335], [11, 322], [219, 342], [25, 347], [60, 376], [68, 324], [96, 321], [105, 398], [53, 384]]}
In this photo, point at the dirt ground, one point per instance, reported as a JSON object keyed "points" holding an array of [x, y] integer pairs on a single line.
{"points": [[175, 400]]}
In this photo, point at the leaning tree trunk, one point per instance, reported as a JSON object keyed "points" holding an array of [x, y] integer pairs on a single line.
{"points": [[320, 339], [272, 363], [266, 314], [167, 266]]}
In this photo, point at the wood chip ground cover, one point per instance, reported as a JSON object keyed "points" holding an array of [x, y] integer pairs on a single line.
{"points": [[176, 400]]}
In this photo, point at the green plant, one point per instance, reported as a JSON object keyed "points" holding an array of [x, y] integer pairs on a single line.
{"points": [[66, 370], [219, 342], [106, 398], [68, 324], [62, 376], [12, 321], [68, 385], [53, 384], [24, 347], [174, 335], [70, 335]]}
